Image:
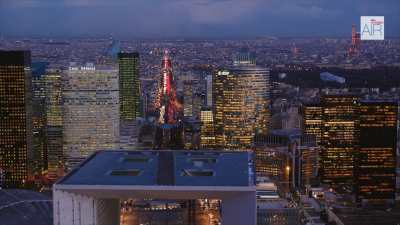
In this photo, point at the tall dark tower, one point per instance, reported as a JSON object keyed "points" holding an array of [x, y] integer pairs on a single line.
{"points": [[129, 99], [376, 166], [339, 139], [129, 85], [15, 116]]}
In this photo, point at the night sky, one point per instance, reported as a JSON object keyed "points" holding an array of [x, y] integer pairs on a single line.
{"points": [[192, 18]]}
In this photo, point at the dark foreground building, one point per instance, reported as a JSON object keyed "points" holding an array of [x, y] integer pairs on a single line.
{"points": [[358, 140], [376, 169], [15, 116]]}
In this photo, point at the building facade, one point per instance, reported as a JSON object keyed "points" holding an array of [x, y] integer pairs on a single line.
{"points": [[91, 111], [339, 139], [358, 140], [313, 121], [241, 100], [129, 85], [376, 164], [207, 134], [15, 117], [54, 124], [39, 160]]}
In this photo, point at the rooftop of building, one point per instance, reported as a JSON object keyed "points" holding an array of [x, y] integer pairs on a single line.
{"points": [[164, 168]]}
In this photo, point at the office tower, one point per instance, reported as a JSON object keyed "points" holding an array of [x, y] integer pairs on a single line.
{"points": [[15, 116], [129, 85], [339, 139], [39, 161], [241, 99], [54, 124], [376, 165], [313, 120], [188, 98], [209, 98], [207, 135], [358, 140], [129, 98], [91, 111]]}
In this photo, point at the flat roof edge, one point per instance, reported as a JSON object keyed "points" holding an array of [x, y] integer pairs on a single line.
{"points": [[66, 187]]}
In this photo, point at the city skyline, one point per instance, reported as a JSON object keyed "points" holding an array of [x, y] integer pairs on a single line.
{"points": [[191, 19], [200, 112]]}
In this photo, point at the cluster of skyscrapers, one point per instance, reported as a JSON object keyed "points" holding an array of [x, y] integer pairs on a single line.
{"points": [[52, 119], [358, 139]]}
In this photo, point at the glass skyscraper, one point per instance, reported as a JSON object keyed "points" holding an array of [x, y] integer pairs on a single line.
{"points": [[129, 99], [129, 85], [54, 124], [15, 116], [241, 99], [39, 160]]}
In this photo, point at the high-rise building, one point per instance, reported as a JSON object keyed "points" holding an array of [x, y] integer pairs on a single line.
{"points": [[207, 135], [241, 100], [339, 139], [313, 121], [129, 98], [376, 164], [54, 124], [39, 161], [358, 140], [91, 111], [15, 116], [129, 85]]}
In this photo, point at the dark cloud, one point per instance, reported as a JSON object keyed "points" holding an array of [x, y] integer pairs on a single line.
{"points": [[192, 18]]}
